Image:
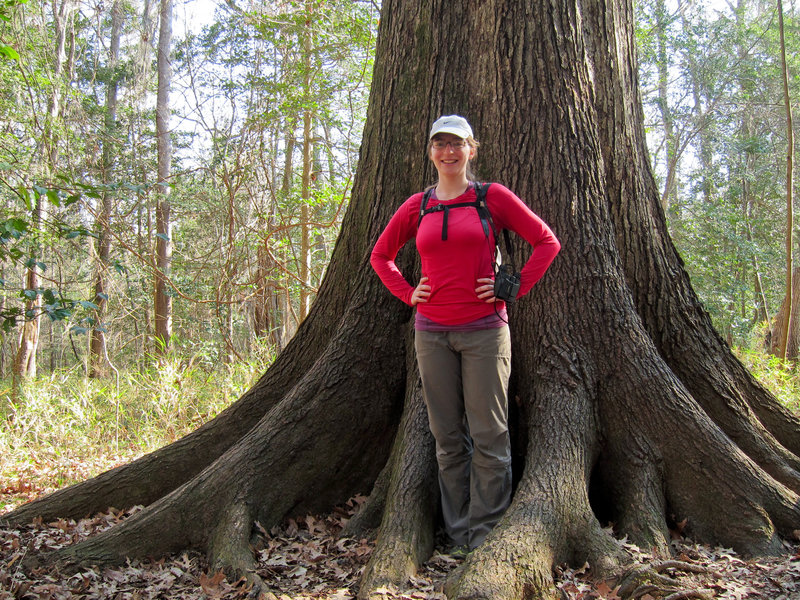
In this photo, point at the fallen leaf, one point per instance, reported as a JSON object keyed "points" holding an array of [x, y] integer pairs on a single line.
{"points": [[211, 584]]}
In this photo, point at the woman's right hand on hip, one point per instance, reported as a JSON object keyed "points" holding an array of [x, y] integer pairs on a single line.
{"points": [[421, 292]]}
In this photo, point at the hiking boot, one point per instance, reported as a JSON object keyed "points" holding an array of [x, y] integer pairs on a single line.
{"points": [[458, 552]]}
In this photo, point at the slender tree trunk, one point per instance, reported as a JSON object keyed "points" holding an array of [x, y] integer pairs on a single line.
{"points": [[163, 298], [791, 344], [669, 194], [25, 361], [98, 349], [283, 301], [3, 298], [782, 352], [761, 309], [699, 96], [308, 165]]}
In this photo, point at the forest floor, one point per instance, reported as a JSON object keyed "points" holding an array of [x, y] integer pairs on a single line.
{"points": [[308, 559]]}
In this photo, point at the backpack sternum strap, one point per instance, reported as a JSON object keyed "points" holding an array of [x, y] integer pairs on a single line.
{"points": [[479, 205]]}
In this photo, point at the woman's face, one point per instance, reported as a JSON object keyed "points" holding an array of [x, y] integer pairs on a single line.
{"points": [[450, 154]]}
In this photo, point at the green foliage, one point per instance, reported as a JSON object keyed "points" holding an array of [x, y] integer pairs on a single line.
{"points": [[6, 9], [780, 378], [21, 244], [242, 87], [710, 87]]}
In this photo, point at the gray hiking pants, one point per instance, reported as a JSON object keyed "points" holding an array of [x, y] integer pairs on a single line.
{"points": [[465, 386]]}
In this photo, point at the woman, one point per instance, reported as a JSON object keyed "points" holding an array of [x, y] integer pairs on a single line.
{"points": [[462, 339]]}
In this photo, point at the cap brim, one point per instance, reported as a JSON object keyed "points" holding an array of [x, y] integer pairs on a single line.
{"points": [[462, 133]]}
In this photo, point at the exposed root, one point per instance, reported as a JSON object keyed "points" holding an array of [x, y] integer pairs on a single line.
{"points": [[406, 530], [391, 565], [229, 549], [629, 486], [685, 594], [649, 579], [510, 558]]}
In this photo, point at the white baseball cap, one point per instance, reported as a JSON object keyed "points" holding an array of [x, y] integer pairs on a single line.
{"points": [[451, 124]]}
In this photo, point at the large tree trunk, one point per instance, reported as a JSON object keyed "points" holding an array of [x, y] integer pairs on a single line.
{"points": [[629, 407]]}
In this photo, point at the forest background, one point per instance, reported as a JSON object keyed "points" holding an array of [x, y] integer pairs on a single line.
{"points": [[171, 196]]}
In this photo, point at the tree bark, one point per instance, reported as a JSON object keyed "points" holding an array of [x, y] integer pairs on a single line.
{"points": [[787, 301], [778, 346], [25, 360], [629, 407], [163, 299]]}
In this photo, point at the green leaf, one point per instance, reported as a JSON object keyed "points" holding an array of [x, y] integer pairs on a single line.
{"points": [[54, 198], [8, 52], [13, 228], [59, 314], [25, 194], [88, 305]]}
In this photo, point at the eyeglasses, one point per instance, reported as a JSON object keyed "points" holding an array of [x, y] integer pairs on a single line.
{"points": [[455, 145]]}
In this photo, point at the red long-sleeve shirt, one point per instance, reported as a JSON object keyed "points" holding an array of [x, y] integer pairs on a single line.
{"points": [[453, 266]]}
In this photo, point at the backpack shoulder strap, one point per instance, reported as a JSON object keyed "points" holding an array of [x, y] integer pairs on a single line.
{"points": [[424, 204], [481, 190]]}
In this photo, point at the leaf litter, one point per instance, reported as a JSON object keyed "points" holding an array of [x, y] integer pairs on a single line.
{"points": [[307, 559]]}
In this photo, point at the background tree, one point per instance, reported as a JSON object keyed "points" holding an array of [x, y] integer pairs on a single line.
{"points": [[635, 411], [99, 351], [284, 185], [163, 296], [787, 102], [731, 134]]}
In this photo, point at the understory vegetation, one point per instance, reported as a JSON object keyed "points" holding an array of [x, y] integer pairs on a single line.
{"points": [[65, 427]]}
